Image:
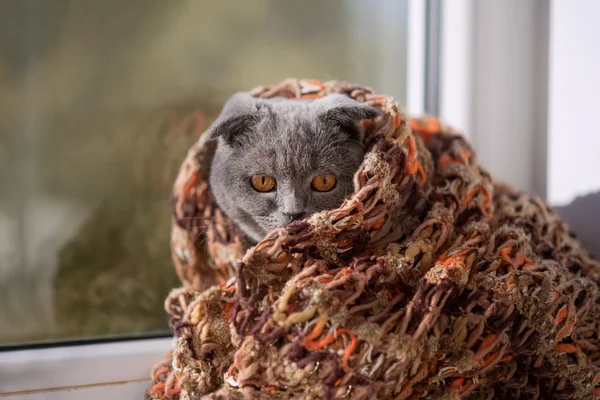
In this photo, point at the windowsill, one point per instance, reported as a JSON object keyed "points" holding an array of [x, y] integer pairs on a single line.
{"points": [[96, 371]]}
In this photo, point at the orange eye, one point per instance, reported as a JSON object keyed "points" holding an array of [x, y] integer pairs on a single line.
{"points": [[323, 183], [263, 183]]}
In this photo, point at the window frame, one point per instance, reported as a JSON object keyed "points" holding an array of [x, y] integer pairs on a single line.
{"points": [[499, 97], [88, 370]]}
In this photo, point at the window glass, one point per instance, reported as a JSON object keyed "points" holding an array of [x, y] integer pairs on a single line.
{"points": [[99, 101]]}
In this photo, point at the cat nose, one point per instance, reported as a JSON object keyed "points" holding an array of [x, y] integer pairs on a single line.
{"points": [[294, 216]]}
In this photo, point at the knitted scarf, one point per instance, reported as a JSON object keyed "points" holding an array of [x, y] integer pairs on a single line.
{"points": [[429, 281]]}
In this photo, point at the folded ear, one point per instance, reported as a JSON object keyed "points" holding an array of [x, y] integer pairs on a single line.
{"points": [[343, 111], [237, 118]]}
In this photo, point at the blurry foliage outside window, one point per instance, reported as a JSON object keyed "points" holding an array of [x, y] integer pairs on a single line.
{"points": [[99, 101]]}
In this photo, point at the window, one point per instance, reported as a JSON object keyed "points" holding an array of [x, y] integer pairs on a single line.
{"points": [[100, 101]]}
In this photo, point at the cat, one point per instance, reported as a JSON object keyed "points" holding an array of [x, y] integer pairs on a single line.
{"points": [[279, 160]]}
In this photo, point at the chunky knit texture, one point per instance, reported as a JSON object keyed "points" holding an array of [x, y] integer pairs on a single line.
{"points": [[429, 281]]}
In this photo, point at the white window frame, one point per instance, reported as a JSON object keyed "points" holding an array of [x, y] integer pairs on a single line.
{"points": [[117, 370], [494, 84], [415, 71], [573, 139]]}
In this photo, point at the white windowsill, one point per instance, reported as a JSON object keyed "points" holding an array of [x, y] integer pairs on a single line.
{"points": [[118, 370]]}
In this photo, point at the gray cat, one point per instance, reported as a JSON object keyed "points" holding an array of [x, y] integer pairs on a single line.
{"points": [[279, 160]]}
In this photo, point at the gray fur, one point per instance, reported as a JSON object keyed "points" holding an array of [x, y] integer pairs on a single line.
{"points": [[293, 141]]}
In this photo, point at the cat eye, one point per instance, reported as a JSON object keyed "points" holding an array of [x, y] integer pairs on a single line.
{"points": [[263, 183], [323, 183]]}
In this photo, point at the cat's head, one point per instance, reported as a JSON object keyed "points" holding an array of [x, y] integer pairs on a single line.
{"points": [[278, 160]]}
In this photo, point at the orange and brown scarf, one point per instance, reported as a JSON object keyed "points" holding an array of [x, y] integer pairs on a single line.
{"points": [[429, 281]]}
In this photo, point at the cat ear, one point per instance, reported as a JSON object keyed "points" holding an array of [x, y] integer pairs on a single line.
{"points": [[344, 112], [237, 118]]}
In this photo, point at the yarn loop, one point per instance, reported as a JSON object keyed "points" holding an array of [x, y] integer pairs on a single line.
{"points": [[429, 281]]}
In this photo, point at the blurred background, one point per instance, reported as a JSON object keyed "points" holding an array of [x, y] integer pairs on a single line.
{"points": [[99, 102], [100, 99]]}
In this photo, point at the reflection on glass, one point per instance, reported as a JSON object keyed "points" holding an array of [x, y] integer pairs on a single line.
{"points": [[99, 101]]}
